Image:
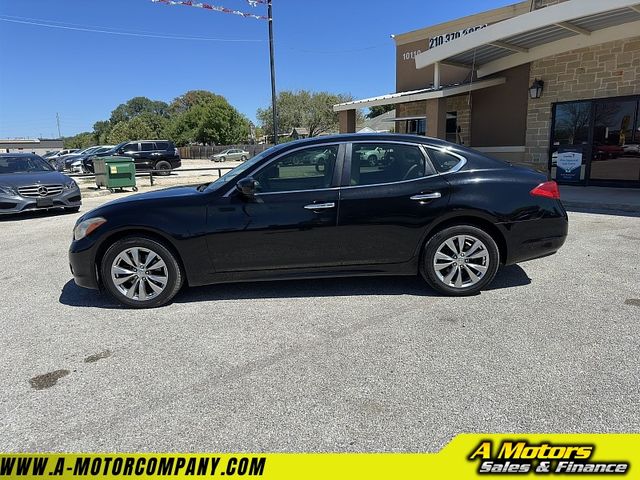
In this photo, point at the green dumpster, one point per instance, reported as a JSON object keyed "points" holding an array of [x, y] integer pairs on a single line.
{"points": [[115, 173]]}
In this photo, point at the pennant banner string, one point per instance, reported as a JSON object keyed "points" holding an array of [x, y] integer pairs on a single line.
{"points": [[216, 8]]}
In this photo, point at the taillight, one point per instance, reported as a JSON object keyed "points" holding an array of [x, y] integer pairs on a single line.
{"points": [[547, 190], [175, 152]]}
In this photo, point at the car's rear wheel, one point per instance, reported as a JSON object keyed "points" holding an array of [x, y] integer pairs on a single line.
{"points": [[163, 167], [460, 260], [140, 272], [243, 158]]}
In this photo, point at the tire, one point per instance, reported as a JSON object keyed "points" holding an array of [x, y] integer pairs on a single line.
{"points": [[159, 284], [164, 167], [72, 209], [445, 267], [222, 159], [135, 189], [372, 160], [112, 190], [243, 158]]}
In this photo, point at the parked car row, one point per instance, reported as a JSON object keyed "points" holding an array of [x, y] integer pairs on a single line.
{"points": [[161, 155], [157, 155]]}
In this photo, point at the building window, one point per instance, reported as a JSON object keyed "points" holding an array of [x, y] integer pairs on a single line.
{"points": [[417, 127]]}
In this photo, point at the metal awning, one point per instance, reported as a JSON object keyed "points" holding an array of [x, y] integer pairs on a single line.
{"points": [[548, 31], [416, 95]]}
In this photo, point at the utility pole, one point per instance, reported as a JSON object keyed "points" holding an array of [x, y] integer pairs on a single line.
{"points": [[58, 121], [273, 76]]}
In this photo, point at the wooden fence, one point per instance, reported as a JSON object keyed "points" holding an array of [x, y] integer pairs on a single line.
{"points": [[202, 151]]}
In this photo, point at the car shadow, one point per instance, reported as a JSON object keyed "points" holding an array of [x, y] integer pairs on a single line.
{"points": [[507, 277]]}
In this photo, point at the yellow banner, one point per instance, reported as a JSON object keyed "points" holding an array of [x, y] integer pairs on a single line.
{"points": [[467, 456]]}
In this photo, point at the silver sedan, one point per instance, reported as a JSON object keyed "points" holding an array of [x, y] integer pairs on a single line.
{"points": [[230, 154], [27, 182]]}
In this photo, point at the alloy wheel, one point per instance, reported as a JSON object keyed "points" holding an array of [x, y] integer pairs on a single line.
{"points": [[139, 273], [461, 261]]}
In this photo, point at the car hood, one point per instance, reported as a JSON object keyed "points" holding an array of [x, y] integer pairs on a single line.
{"points": [[165, 193], [33, 178]]}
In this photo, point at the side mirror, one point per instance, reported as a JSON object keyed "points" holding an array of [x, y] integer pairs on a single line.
{"points": [[247, 186]]}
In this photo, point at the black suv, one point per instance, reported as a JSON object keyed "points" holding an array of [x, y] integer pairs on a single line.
{"points": [[148, 155]]}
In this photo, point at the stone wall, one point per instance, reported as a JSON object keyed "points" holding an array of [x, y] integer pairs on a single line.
{"points": [[460, 104], [457, 104], [608, 70]]}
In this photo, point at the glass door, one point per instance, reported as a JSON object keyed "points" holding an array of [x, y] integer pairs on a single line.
{"points": [[570, 142], [615, 149]]}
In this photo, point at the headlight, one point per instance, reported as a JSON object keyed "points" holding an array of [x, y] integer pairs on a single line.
{"points": [[87, 226], [7, 190], [72, 185]]}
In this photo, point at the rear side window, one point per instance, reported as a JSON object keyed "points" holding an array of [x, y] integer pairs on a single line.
{"points": [[442, 160], [373, 163], [148, 147], [162, 145]]}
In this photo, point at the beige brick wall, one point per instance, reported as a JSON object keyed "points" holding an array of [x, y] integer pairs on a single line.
{"points": [[460, 105], [413, 109], [453, 104], [608, 70]]}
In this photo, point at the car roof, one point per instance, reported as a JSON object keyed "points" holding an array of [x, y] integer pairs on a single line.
{"points": [[18, 154], [359, 137]]}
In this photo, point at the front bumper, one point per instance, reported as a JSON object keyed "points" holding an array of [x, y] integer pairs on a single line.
{"points": [[11, 204], [83, 266]]}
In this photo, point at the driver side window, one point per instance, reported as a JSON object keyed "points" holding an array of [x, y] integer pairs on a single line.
{"points": [[307, 169]]}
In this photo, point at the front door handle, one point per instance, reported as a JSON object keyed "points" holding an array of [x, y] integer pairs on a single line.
{"points": [[320, 206], [426, 196]]}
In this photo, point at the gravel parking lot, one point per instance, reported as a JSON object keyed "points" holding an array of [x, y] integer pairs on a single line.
{"points": [[366, 364]]}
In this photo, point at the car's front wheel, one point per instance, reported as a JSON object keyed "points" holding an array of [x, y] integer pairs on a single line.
{"points": [[140, 272], [460, 260]]}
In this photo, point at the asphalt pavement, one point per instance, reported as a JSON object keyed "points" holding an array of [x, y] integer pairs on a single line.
{"points": [[365, 364]]}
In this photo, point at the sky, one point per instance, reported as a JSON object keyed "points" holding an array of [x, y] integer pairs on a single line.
{"points": [[331, 45]]}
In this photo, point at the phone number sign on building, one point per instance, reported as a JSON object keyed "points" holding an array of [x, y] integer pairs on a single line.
{"points": [[448, 37]]}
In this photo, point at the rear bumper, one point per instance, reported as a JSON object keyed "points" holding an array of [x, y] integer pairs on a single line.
{"points": [[533, 239], [18, 204]]}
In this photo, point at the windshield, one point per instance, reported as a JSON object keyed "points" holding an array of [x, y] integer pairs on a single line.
{"points": [[240, 169], [23, 165]]}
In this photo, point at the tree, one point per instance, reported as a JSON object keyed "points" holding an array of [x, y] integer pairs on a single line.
{"points": [[302, 108], [137, 106], [81, 141], [101, 131], [145, 126], [210, 122], [190, 99], [379, 110]]}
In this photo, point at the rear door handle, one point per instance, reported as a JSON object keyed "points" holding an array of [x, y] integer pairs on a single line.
{"points": [[320, 206], [426, 196]]}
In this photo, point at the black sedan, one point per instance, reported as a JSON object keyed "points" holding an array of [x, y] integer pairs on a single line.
{"points": [[427, 207]]}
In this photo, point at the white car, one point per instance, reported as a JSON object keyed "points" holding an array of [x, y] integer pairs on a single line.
{"points": [[231, 154]]}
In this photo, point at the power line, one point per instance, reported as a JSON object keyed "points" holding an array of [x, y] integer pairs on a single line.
{"points": [[146, 33], [124, 33]]}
